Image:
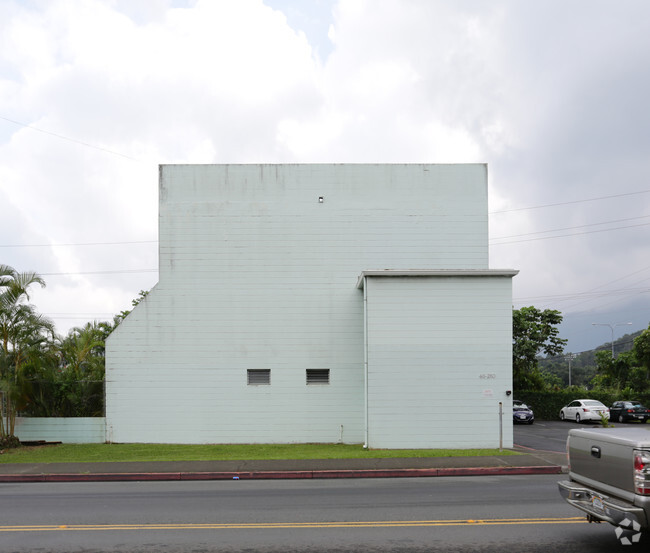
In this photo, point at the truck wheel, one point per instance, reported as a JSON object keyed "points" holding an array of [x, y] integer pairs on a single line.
{"points": [[578, 418]]}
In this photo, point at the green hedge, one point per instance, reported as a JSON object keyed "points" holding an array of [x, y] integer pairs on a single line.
{"points": [[547, 405]]}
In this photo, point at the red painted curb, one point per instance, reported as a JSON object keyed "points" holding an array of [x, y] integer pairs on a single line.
{"points": [[496, 471], [277, 475]]}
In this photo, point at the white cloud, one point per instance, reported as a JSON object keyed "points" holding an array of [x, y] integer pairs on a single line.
{"points": [[551, 95]]}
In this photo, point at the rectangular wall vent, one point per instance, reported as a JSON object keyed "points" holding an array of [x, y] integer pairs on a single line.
{"points": [[318, 376], [257, 377]]}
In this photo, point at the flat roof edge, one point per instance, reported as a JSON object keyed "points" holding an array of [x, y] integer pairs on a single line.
{"points": [[437, 273]]}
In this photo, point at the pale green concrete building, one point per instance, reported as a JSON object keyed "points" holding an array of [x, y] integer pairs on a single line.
{"points": [[318, 303]]}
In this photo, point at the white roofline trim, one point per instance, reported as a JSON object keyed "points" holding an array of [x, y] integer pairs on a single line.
{"points": [[437, 273]]}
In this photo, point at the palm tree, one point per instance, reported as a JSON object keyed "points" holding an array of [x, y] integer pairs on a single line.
{"points": [[23, 333], [14, 285], [83, 367]]}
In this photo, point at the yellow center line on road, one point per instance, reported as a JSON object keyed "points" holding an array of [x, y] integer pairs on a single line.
{"points": [[293, 525]]}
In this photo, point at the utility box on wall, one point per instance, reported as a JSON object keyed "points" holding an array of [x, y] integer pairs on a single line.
{"points": [[259, 330]]}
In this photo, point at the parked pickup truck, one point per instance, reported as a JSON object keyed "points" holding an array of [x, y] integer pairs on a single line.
{"points": [[609, 475]]}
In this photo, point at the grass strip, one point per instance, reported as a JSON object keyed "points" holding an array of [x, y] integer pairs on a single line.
{"points": [[94, 453]]}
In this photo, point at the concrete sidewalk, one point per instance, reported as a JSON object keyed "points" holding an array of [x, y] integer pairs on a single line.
{"points": [[529, 462]]}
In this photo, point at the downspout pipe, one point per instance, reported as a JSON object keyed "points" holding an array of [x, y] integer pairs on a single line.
{"points": [[365, 359]]}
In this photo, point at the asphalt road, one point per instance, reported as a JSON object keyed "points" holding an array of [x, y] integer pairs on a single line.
{"points": [[486, 514]]}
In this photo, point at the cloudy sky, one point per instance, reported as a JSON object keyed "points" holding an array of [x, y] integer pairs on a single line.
{"points": [[553, 95]]}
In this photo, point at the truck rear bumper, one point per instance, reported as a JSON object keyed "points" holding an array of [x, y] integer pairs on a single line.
{"points": [[601, 507]]}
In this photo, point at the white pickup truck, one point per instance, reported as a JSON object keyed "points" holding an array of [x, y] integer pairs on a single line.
{"points": [[609, 476]]}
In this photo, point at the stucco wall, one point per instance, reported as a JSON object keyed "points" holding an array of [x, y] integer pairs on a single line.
{"points": [[257, 272]]}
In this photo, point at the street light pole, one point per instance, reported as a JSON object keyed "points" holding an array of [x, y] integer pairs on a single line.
{"points": [[611, 326], [570, 357]]}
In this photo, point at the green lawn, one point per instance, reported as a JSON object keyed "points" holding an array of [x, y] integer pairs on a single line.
{"points": [[89, 453]]}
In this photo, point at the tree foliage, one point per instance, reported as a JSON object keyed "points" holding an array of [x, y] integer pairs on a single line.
{"points": [[25, 336], [533, 332], [142, 294], [627, 372], [642, 349], [42, 374]]}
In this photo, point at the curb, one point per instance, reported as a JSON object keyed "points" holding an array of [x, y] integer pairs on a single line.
{"points": [[278, 475]]}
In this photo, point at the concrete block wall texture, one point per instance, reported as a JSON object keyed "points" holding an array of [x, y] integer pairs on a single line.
{"points": [[68, 430], [258, 270], [439, 351]]}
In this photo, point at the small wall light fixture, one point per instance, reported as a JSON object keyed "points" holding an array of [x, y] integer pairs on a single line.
{"points": [[321, 199], [508, 392]]}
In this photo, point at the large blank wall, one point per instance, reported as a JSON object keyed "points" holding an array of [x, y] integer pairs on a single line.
{"points": [[257, 273], [439, 362]]}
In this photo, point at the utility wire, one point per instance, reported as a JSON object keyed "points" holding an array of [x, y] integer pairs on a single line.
{"points": [[570, 202], [493, 238], [584, 297], [78, 244], [605, 346], [125, 271], [67, 138], [86, 144], [589, 294], [571, 234], [571, 228]]}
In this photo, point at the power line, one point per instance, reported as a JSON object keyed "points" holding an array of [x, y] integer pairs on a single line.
{"points": [[88, 145], [68, 138], [571, 228], [78, 244], [592, 294], [623, 278], [57, 313], [570, 202], [571, 234], [127, 242], [588, 295], [124, 271], [593, 350], [605, 294], [80, 317]]}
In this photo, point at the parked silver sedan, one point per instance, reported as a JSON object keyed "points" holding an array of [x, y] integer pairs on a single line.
{"points": [[584, 410]]}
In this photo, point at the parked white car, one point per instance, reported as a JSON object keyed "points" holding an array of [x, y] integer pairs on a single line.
{"points": [[583, 410]]}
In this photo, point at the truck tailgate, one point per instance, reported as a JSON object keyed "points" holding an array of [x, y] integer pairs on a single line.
{"points": [[599, 455]]}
